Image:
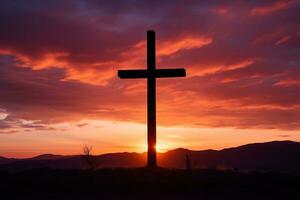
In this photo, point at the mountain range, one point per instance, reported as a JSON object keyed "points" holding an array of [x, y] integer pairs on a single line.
{"points": [[276, 156]]}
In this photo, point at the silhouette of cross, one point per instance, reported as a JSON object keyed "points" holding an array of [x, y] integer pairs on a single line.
{"points": [[151, 73]]}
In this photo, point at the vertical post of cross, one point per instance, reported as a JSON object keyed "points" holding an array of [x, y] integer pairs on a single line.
{"points": [[151, 98]]}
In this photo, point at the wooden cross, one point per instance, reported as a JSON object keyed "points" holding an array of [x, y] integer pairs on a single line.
{"points": [[151, 73]]}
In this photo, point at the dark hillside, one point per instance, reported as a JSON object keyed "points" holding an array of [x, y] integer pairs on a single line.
{"points": [[141, 183]]}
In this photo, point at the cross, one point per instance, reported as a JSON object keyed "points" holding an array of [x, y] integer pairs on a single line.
{"points": [[151, 73]]}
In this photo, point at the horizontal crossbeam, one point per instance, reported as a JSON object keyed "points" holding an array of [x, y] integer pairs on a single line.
{"points": [[169, 73], [158, 73], [135, 73]]}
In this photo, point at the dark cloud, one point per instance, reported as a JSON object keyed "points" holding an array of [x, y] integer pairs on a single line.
{"points": [[80, 125], [59, 60]]}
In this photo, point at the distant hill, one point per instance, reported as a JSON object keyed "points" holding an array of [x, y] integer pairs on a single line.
{"points": [[49, 157], [4, 160], [278, 156]]}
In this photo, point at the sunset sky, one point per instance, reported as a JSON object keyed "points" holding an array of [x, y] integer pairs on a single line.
{"points": [[59, 88]]}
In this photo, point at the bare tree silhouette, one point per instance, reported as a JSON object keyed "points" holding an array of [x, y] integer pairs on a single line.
{"points": [[88, 157]]}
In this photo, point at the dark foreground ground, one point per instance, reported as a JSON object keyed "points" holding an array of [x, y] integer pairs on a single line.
{"points": [[144, 183]]}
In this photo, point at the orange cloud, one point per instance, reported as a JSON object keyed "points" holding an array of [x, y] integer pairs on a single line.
{"points": [[287, 83], [206, 70], [170, 47], [137, 53], [264, 10], [96, 74], [46, 60], [92, 73]]}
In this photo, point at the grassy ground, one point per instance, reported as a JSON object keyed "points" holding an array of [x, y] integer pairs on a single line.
{"points": [[145, 183]]}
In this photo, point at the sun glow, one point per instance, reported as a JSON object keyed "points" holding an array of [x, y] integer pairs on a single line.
{"points": [[162, 147]]}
